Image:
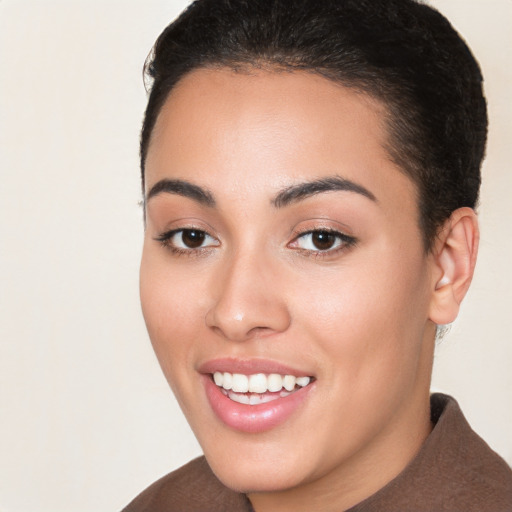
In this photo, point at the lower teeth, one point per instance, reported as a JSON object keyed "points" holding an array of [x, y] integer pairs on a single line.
{"points": [[254, 398]]}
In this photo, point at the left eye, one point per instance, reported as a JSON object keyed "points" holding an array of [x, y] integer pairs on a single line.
{"points": [[320, 241]]}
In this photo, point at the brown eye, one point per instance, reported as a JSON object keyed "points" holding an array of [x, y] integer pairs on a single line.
{"points": [[187, 240], [193, 238], [323, 240]]}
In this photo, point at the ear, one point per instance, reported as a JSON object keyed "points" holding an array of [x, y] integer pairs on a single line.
{"points": [[454, 257]]}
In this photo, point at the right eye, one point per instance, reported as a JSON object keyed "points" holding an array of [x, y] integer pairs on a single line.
{"points": [[187, 240]]}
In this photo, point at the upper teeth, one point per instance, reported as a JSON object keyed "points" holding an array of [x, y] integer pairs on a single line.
{"points": [[258, 382]]}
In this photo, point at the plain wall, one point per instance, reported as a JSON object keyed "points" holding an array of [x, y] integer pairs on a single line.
{"points": [[86, 418]]}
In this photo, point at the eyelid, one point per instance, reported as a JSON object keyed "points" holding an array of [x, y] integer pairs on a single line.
{"points": [[345, 241], [169, 234], [182, 224], [165, 239]]}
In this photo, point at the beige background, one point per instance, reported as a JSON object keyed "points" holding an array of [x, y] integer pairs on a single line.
{"points": [[86, 419]]}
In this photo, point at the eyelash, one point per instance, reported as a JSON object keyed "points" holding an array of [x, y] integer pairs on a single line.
{"points": [[344, 242], [166, 241]]}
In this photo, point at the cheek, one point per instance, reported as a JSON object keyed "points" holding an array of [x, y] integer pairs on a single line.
{"points": [[172, 308], [368, 318]]}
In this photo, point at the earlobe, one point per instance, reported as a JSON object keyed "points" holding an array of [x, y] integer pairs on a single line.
{"points": [[454, 257]]}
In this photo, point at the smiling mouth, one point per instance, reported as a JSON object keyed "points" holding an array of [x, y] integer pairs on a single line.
{"points": [[258, 388]]}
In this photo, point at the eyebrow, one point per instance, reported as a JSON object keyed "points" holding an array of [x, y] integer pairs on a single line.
{"points": [[304, 190], [182, 188], [285, 197]]}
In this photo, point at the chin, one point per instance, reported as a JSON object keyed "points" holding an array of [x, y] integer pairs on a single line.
{"points": [[260, 463], [256, 476]]}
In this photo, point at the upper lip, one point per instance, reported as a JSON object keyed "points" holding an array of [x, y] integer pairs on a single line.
{"points": [[249, 367]]}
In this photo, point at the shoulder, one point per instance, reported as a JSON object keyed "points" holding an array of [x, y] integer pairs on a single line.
{"points": [[455, 471], [478, 476], [193, 487]]}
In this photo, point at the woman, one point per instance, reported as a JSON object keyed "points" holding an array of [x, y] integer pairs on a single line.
{"points": [[310, 173]]}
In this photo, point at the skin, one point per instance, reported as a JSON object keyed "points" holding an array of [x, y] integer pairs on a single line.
{"points": [[360, 318]]}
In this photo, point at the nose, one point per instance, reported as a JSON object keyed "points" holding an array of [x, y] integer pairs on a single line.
{"points": [[249, 300]]}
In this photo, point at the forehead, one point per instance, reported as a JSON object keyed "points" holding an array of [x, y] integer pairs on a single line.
{"points": [[268, 129], [268, 101]]}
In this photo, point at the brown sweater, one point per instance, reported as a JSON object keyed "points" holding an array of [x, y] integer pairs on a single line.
{"points": [[454, 471]]}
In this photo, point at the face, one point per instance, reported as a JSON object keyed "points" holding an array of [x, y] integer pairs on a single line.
{"points": [[283, 266]]}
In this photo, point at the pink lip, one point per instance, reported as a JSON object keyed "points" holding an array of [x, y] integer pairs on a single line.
{"points": [[250, 366], [251, 418]]}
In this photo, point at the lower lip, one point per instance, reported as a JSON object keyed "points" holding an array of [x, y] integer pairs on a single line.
{"points": [[253, 418]]}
